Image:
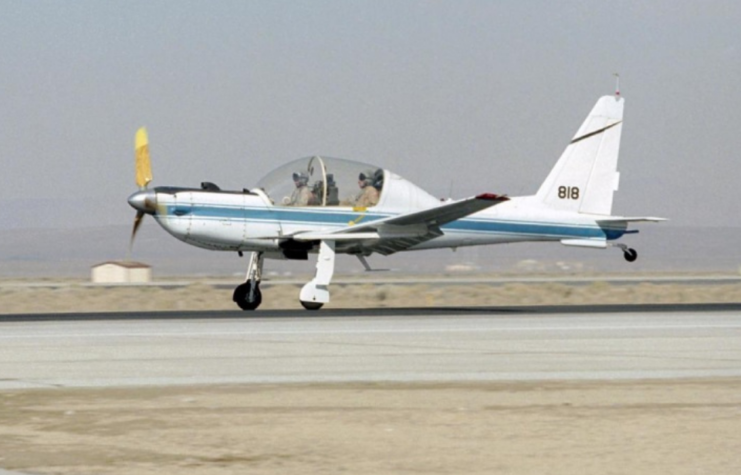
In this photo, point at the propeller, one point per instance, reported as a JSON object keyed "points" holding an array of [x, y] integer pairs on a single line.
{"points": [[137, 223], [143, 201]]}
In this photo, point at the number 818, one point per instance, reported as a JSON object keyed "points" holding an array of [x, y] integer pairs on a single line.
{"points": [[568, 192]]}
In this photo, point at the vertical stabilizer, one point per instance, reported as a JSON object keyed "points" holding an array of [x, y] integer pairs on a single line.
{"points": [[585, 177]]}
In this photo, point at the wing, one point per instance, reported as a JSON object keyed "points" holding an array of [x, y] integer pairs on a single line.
{"points": [[397, 233]]}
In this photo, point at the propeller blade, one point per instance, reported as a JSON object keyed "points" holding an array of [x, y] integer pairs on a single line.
{"points": [[141, 156], [137, 223]]}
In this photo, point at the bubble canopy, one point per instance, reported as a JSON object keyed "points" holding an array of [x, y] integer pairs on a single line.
{"points": [[331, 181]]}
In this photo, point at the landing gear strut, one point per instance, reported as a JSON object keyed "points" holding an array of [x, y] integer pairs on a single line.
{"points": [[248, 295], [629, 254], [316, 293]]}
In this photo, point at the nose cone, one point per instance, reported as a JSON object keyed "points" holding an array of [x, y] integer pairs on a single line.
{"points": [[144, 201]]}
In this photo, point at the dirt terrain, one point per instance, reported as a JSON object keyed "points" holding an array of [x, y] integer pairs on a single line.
{"points": [[76, 297], [677, 427], [631, 427]]}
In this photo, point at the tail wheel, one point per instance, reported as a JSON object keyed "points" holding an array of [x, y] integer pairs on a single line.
{"points": [[630, 255], [242, 296]]}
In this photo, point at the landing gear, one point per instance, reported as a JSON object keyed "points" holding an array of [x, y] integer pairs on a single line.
{"points": [[313, 295], [316, 293], [311, 305], [248, 295], [629, 254]]}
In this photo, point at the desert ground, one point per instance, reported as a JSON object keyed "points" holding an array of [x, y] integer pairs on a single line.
{"points": [[631, 427], [207, 294], [566, 427]]}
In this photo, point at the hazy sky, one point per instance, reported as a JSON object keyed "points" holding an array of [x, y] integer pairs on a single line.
{"points": [[470, 95]]}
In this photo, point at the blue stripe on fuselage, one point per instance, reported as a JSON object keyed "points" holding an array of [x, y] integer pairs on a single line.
{"points": [[333, 217], [529, 228], [318, 216]]}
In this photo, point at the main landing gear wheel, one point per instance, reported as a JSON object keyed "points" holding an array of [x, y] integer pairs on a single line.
{"points": [[630, 255], [242, 296], [316, 292], [311, 305]]}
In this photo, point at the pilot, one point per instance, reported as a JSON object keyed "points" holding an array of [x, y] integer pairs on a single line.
{"points": [[369, 194], [302, 195]]}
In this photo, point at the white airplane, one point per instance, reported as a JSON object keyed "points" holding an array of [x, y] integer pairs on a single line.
{"points": [[328, 206]]}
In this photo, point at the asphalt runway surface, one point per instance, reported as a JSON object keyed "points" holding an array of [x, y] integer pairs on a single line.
{"points": [[376, 312], [403, 345]]}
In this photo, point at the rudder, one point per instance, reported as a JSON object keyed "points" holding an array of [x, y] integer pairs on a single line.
{"points": [[585, 177]]}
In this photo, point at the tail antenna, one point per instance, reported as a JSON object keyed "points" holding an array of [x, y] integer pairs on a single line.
{"points": [[617, 85]]}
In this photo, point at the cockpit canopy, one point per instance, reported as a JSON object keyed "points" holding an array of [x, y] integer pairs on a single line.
{"points": [[325, 181], [328, 182]]}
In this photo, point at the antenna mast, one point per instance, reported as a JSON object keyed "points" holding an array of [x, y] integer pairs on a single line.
{"points": [[617, 84]]}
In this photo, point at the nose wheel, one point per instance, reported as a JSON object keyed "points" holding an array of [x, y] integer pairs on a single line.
{"points": [[248, 295]]}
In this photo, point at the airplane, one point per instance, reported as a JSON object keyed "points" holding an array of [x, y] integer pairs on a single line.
{"points": [[329, 206]]}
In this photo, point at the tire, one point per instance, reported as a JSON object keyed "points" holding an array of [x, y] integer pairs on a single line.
{"points": [[311, 305], [242, 292], [630, 255]]}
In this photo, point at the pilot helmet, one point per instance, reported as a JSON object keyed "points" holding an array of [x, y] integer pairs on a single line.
{"points": [[366, 177], [301, 178]]}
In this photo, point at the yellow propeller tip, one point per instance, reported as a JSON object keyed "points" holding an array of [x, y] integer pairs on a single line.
{"points": [[141, 138], [143, 165]]}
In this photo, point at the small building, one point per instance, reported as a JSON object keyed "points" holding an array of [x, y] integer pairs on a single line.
{"points": [[121, 272]]}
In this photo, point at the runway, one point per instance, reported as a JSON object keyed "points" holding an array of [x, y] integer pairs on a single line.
{"points": [[375, 312], [414, 346]]}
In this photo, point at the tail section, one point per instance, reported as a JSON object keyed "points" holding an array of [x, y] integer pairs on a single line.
{"points": [[585, 177]]}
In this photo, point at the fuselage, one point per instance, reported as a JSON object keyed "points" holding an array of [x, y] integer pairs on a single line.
{"points": [[249, 221]]}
